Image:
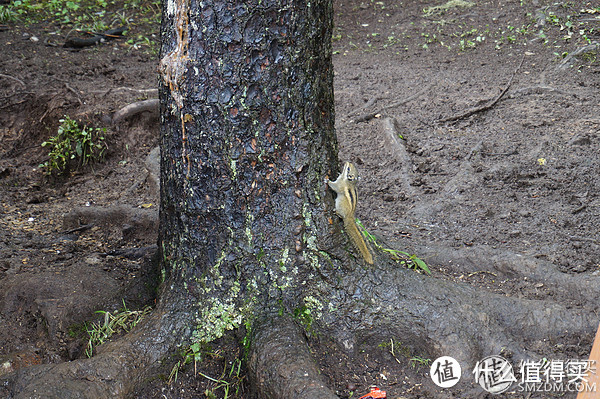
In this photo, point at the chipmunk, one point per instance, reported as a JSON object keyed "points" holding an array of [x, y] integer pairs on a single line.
{"points": [[345, 206]]}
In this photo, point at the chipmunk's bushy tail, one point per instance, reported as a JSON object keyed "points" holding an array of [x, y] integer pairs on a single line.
{"points": [[358, 240]]}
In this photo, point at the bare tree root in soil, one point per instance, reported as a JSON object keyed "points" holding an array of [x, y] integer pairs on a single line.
{"points": [[370, 306]]}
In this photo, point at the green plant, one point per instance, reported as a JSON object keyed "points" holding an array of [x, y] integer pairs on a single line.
{"points": [[303, 315], [195, 352], [404, 258], [143, 41], [7, 14], [229, 381], [247, 340], [91, 16], [77, 330], [111, 324], [418, 362], [553, 18], [396, 348], [73, 144]]}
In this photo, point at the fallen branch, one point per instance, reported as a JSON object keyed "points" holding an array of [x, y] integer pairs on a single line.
{"points": [[80, 228], [96, 38], [371, 115], [72, 90], [487, 106]]}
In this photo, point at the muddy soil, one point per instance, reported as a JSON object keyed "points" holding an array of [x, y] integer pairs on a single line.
{"points": [[474, 127]]}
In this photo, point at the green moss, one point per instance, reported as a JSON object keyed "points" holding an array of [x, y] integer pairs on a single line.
{"points": [[249, 221], [283, 260], [233, 167], [315, 305], [331, 307], [304, 316], [306, 214], [216, 317], [217, 277]]}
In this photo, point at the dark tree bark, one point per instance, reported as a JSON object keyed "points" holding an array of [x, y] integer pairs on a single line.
{"points": [[247, 229], [247, 140]]}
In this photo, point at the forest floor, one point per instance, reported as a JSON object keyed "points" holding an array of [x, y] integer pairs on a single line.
{"points": [[473, 125]]}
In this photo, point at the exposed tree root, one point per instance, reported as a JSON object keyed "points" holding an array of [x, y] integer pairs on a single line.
{"points": [[443, 317], [2, 75], [570, 59], [281, 365], [506, 264], [541, 89], [365, 107], [149, 92], [152, 175], [135, 108], [399, 150], [131, 220], [114, 371], [369, 306]]}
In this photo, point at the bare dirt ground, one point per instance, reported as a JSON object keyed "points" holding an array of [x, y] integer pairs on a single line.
{"points": [[517, 177]]}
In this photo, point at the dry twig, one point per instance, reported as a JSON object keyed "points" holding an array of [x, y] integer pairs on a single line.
{"points": [[367, 117], [487, 106], [13, 78]]}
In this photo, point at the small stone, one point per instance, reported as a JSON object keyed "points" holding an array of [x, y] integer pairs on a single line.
{"points": [[524, 213]]}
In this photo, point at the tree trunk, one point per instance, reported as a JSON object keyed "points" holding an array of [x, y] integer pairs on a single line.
{"points": [[247, 226], [247, 140]]}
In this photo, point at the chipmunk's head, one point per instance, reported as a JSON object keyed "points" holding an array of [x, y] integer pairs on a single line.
{"points": [[350, 172]]}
